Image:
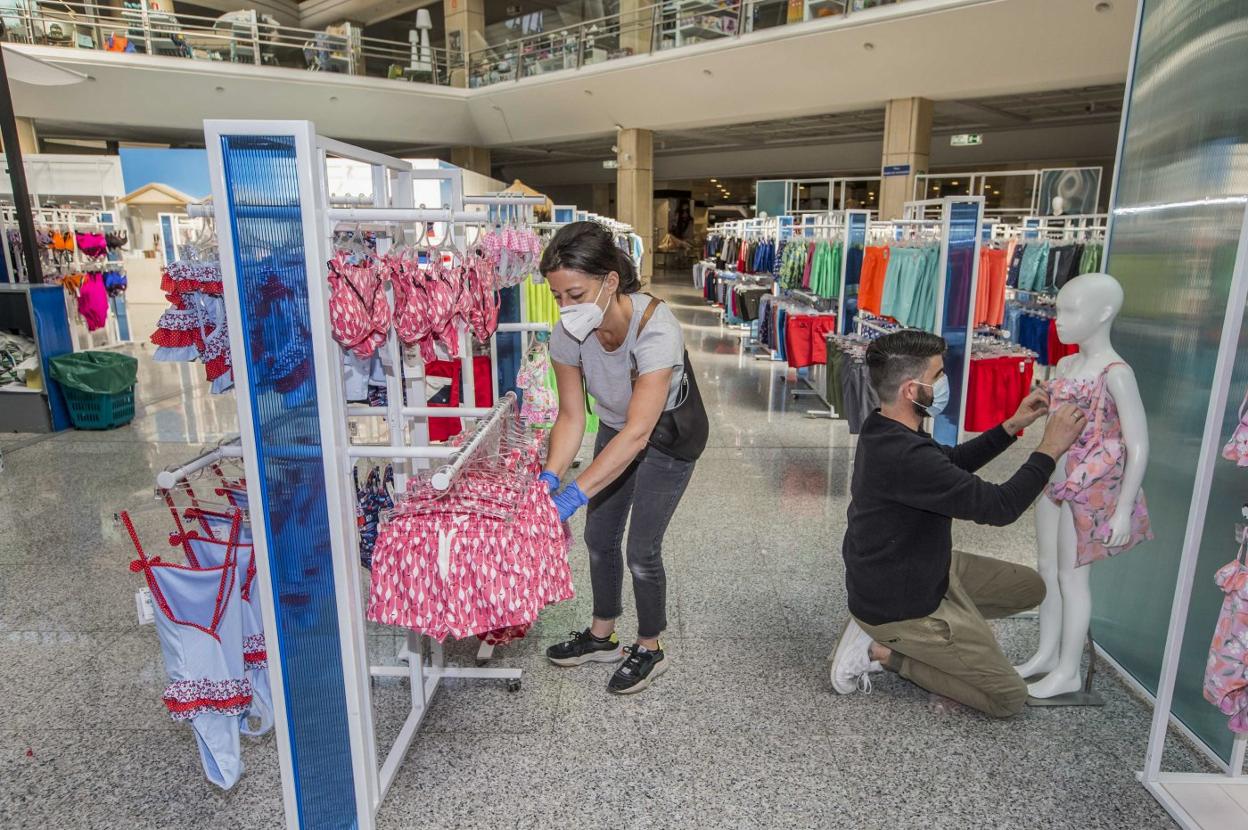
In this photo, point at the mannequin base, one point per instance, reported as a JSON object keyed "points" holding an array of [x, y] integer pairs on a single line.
{"points": [[1079, 698]]}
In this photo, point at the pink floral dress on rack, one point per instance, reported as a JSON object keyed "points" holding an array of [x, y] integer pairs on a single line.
{"points": [[1236, 448], [1226, 673], [1094, 470]]}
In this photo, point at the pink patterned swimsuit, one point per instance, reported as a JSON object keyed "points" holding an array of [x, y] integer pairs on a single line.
{"points": [[452, 572], [1094, 469]]}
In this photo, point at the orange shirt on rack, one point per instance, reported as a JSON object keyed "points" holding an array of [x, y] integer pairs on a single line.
{"points": [[871, 283], [990, 290]]}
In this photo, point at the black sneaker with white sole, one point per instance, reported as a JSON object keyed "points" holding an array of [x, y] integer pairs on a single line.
{"points": [[584, 647], [638, 671]]}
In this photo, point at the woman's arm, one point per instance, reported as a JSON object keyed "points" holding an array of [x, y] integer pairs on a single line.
{"points": [[1126, 393], [569, 428], [644, 409]]}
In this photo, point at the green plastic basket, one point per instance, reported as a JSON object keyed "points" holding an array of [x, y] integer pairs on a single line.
{"points": [[91, 410]]}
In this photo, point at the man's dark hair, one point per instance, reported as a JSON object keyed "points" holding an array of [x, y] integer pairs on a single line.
{"points": [[901, 356]]}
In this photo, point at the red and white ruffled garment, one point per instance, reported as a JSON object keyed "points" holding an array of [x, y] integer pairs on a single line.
{"points": [[193, 328]]}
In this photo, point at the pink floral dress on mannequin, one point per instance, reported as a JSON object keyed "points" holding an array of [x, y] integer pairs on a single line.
{"points": [[1094, 470]]}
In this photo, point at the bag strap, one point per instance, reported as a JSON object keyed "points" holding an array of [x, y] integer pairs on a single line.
{"points": [[648, 313], [645, 318]]}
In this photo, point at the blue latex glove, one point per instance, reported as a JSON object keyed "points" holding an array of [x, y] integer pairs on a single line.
{"points": [[552, 480], [569, 501]]}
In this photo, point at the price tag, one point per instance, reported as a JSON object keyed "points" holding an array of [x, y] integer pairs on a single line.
{"points": [[143, 604]]}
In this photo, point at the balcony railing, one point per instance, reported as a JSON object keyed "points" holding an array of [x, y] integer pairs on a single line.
{"points": [[245, 37], [654, 28], [237, 37]]}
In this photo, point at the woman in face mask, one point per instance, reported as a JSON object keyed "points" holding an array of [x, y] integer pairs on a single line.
{"points": [[626, 350]]}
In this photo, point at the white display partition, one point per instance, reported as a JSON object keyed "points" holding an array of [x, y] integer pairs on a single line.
{"points": [[959, 226], [1192, 799], [275, 220]]}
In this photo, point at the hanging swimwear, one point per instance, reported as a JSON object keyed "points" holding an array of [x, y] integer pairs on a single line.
{"points": [[1094, 470], [540, 404], [370, 500], [456, 572], [200, 624], [210, 550]]}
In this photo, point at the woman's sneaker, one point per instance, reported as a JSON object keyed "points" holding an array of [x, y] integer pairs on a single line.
{"points": [[638, 671], [584, 647]]}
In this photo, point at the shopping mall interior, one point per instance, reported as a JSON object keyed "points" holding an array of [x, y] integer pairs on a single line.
{"points": [[316, 439]]}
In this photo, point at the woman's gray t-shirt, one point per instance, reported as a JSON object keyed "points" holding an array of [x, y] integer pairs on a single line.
{"points": [[608, 373]]}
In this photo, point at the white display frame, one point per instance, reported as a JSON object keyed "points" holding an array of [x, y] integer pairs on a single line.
{"points": [[393, 196], [1185, 795]]}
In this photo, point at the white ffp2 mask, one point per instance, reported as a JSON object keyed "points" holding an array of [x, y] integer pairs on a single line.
{"points": [[581, 319]]}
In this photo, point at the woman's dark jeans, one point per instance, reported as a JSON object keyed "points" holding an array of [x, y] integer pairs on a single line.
{"points": [[650, 488]]}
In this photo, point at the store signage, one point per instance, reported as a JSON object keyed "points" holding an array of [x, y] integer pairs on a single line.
{"points": [[966, 139], [610, 164], [896, 170]]}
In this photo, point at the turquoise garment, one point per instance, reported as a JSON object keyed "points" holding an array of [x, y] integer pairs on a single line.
{"points": [[1034, 268], [909, 295], [825, 269]]}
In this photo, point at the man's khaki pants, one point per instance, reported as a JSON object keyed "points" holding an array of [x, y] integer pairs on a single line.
{"points": [[952, 651]]}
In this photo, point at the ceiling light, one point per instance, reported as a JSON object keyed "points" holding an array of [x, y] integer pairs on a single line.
{"points": [[955, 184], [715, 180]]}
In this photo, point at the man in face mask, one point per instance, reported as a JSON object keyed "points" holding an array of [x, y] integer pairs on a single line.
{"points": [[917, 608]]}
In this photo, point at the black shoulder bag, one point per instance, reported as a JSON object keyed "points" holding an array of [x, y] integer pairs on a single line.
{"points": [[682, 430]]}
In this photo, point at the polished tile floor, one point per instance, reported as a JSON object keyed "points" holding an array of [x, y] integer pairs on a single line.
{"points": [[742, 732]]}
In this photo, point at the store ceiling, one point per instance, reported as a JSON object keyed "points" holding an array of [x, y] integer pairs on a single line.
{"points": [[1085, 105]]}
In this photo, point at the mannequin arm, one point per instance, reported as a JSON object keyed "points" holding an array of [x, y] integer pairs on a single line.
{"points": [[1122, 385]]}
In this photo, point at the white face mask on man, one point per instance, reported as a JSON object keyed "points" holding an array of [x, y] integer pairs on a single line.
{"points": [[580, 319]]}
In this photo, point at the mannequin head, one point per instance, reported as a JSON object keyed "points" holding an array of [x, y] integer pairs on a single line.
{"points": [[1057, 205], [1086, 306]]}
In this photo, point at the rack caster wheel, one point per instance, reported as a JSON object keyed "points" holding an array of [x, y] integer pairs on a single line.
{"points": [[513, 685]]}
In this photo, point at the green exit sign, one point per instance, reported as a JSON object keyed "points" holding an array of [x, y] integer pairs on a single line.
{"points": [[966, 140]]}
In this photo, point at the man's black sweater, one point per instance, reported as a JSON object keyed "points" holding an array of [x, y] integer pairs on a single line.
{"points": [[906, 492]]}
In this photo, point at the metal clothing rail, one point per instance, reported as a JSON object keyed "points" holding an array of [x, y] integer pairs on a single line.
{"points": [[443, 478], [168, 479]]}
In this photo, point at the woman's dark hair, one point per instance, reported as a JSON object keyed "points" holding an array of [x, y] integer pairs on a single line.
{"points": [[590, 248]]}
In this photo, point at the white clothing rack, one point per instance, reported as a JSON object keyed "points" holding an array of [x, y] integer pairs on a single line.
{"points": [[73, 220], [393, 205]]}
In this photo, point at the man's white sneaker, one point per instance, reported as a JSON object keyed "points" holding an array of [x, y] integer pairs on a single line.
{"points": [[851, 663]]}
